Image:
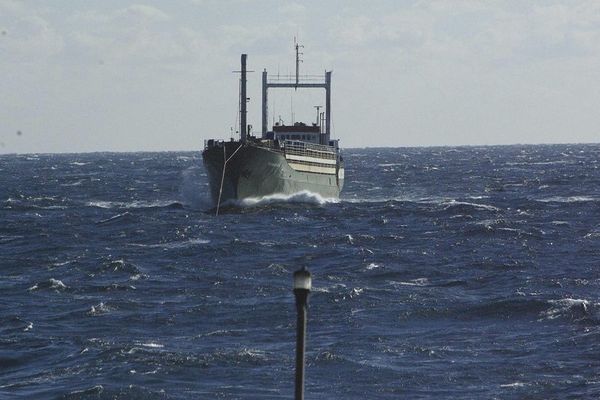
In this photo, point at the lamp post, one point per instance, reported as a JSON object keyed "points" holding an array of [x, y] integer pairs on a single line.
{"points": [[302, 285]]}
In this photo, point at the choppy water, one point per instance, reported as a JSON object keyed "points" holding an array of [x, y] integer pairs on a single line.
{"points": [[441, 273]]}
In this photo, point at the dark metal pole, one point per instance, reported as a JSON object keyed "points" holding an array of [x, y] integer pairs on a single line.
{"points": [[302, 286], [327, 107], [265, 93], [243, 101]]}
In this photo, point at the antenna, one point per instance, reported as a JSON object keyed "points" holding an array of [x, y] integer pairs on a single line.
{"points": [[318, 115], [292, 108], [298, 61]]}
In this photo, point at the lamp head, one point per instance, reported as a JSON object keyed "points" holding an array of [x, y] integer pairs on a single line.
{"points": [[302, 279]]}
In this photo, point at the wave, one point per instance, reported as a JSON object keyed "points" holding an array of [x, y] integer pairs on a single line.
{"points": [[304, 196], [136, 204], [114, 218], [99, 309], [452, 204], [54, 284], [9, 238], [193, 189], [174, 245], [119, 266], [568, 199], [575, 309], [76, 183]]}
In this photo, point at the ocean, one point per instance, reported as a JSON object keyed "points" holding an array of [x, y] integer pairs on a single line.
{"points": [[441, 273]]}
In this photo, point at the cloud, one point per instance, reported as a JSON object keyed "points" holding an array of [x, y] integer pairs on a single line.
{"points": [[489, 32], [145, 13], [28, 37], [136, 34]]}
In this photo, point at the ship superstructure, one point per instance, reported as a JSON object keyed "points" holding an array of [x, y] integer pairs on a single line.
{"points": [[286, 159]]}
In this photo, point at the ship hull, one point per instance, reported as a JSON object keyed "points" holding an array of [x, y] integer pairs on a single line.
{"points": [[255, 171]]}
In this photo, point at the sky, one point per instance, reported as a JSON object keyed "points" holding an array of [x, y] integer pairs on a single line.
{"points": [[107, 75]]}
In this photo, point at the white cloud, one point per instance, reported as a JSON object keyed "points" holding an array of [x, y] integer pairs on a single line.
{"points": [[420, 72], [145, 12], [28, 37]]}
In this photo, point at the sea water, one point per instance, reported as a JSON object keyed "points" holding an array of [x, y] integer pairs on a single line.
{"points": [[466, 272]]}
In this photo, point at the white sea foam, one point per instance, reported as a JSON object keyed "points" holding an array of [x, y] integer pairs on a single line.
{"points": [[113, 218], [174, 245], [562, 307], [93, 390], [478, 206], [152, 345], [304, 196], [79, 164], [99, 309], [57, 284], [412, 282], [52, 283], [76, 183], [193, 189], [132, 204], [514, 384], [373, 266], [568, 199], [251, 353]]}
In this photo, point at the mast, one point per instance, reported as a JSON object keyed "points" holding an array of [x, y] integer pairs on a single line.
{"points": [[243, 101], [324, 118], [298, 61], [327, 108], [265, 94]]}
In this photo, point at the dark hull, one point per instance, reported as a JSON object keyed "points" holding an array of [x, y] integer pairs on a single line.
{"points": [[256, 171]]}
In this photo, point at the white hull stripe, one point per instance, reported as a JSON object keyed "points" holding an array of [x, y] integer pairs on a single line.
{"points": [[310, 159], [311, 168]]}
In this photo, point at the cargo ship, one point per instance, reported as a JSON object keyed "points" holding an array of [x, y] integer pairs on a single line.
{"points": [[286, 159]]}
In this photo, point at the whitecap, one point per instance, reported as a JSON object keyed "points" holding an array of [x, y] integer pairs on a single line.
{"points": [[252, 353], [304, 196], [79, 164], [152, 345], [113, 218], [174, 245], [99, 309], [51, 283], [372, 266], [486, 207], [93, 390], [568, 199], [564, 306], [412, 282], [514, 384], [76, 183], [57, 284], [132, 204]]}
